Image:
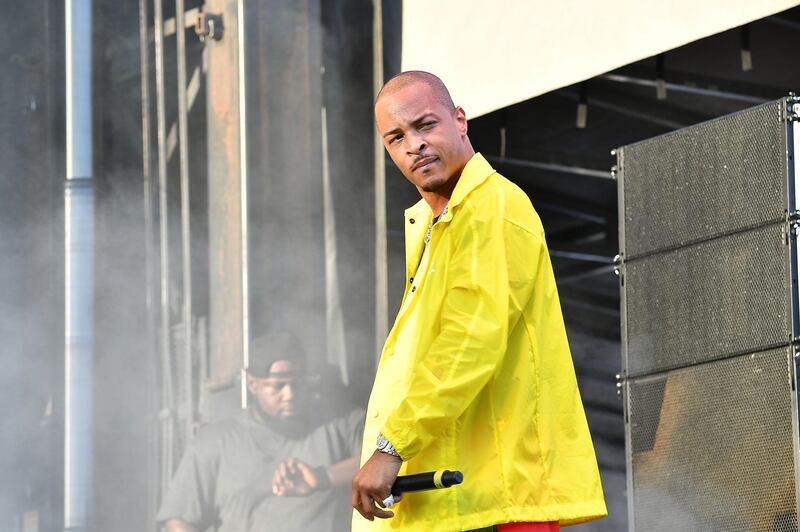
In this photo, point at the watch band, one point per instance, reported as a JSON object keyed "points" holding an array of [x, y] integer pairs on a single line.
{"points": [[385, 446], [323, 475]]}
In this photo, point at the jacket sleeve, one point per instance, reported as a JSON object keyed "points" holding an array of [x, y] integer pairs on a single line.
{"points": [[473, 331]]}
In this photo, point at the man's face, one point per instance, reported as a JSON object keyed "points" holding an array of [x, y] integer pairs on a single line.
{"points": [[426, 140], [276, 395]]}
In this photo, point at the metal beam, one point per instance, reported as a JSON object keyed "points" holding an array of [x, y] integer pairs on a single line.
{"points": [[577, 255], [79, 267], [547, 200], [167, 391], [186, 18], [151, 291], [552, 167], [186, 233], [598, 308], [381, 267], [576, 233], [786, 23], [713, 93], [569, 211], [243, 200], [586, 274], [226, 171], [626, 110]]}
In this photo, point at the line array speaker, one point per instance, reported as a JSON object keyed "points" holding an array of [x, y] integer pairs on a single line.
{"points": [[708, 277]]}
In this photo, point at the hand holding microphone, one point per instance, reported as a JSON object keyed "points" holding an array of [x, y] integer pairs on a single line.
{"points": [[430, 480], [369, 493]]}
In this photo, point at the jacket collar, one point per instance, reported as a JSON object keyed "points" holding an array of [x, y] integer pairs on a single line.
{"points": [[476, 171]]}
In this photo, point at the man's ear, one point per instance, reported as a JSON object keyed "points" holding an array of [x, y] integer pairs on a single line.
{"points": [[461, 119], [251, 383]]}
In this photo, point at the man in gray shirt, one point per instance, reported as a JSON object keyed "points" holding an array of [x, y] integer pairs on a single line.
{"points": [[275, 466]]}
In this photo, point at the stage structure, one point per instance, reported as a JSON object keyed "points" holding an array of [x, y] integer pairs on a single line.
{"points": [[711, 323]]}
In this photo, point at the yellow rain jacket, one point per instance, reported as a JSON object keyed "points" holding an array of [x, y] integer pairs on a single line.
{"points": [[476, 373]]}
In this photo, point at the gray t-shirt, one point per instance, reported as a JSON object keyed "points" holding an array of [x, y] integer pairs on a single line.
{"points": [[225, 478]]}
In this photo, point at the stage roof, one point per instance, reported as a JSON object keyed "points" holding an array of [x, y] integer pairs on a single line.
{"points": [[495, 54]]}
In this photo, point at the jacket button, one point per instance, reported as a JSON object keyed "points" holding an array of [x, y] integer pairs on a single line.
{"points": [[413, 288], [411, 220], [410, 280]]}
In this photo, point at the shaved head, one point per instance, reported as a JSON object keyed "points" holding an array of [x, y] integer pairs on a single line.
{"points": [[424, 133], [404, 79]]}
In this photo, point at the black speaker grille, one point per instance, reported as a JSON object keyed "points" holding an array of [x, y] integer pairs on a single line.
{"points": [[712, 446], [714, 299], [708, 180]]}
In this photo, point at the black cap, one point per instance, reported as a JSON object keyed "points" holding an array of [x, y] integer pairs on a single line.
{"points": [[267, 349]]}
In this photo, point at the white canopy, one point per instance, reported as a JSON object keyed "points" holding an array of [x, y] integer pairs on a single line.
{"points": [[492, 54]]}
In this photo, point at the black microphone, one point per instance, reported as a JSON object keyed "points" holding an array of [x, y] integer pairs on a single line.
{"points": [[430, 480], [427, 481]]}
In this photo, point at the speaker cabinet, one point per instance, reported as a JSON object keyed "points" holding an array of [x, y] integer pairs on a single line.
{"points": [[708, 275]]}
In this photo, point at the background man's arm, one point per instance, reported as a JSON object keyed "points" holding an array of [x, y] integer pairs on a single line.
{"points": [[176, 525], [341, 473], [295, 478]]}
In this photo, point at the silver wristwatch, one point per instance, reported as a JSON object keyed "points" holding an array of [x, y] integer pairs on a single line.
{"points": [[385, 446]]}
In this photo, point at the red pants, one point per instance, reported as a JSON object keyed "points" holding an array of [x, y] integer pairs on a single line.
{"points": [[529, 527], [522, 527]]}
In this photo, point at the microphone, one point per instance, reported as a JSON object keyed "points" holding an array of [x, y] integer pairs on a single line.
{"points": [[430, 480]]}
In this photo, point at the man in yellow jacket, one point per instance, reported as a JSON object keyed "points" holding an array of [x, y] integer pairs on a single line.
{"points": [[476, 373]]}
